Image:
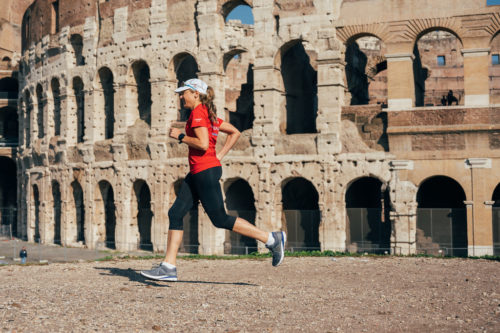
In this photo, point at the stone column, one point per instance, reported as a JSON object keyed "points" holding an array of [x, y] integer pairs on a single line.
{"points": [[476, 76], [332, 233], [403, 213], [479, 227], [125, 235], [330, 100], [266, 217], [400, 82]]}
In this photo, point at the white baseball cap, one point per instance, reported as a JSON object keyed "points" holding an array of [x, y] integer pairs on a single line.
{"points": [[194, 84]]}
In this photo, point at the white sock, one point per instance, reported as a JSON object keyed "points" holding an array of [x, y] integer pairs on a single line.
{"points": [[166, 264], [270, 240]]}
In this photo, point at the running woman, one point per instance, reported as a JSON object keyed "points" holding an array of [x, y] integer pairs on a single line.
{"points": [[202, 182]]}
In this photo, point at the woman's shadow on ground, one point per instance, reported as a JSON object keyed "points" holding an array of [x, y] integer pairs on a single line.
{"points": [[135, 276]]}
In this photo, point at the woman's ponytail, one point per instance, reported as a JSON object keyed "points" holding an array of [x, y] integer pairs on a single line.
{"points": [[208, 101]]}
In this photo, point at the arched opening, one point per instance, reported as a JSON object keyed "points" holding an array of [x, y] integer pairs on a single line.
{"points": [[9, 126], [494, 70], [300, 80], [28, 110], [240, 202], [438, 69], [8, 88], [105, 105], [56, 96], [40, 106], [80, 108], [76, 41], [105, 212], [56, 201], [239, 89], [238, 10], [8, 194], [190, 242], [441, 217], [365, 71], [79, 211], [143, 214], [496, 220], [142, 90], [301, 215], [368, 226], [36, 206], [186, 68]]}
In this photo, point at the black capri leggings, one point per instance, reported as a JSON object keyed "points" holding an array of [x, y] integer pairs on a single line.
{"points": [[203, 186]]}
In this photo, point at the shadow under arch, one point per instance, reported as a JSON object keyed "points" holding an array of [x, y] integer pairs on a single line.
{"points": [[301, 214], [368, 227], [183, 67], [105, 211], [8, 193], [240, 202], [300, 82], [142, 213], [441, 217], [496, 220]]}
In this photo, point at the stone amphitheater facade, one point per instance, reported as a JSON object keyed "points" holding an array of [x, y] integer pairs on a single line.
{"points": [[95, 165]]}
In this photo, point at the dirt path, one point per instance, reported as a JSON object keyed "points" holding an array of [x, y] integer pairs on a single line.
{"points": [[304, 294]]}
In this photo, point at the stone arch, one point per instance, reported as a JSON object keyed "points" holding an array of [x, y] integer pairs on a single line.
{"points": [[365, 73], [76, 41], [190, 240], [139, 93], [494, 69], [240, 202], [496, 220], [368, 227], [104, 119], [55, 89], [8, 193], [76, 123], [300, 83], [301, 214], [105, 214], [76, 213], [36, 213], [433, 78], [441, 217], [40, 101], [183, 66], [142, 215], [57, 211], [239, 103], [228, 6]]}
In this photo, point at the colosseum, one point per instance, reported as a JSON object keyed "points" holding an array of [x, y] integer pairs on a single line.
{"points": [[368, 125]]}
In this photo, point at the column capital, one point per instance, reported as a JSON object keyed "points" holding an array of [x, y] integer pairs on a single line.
{"points": [[401, 165], [399, 57], [480, 52], [478, 163]]}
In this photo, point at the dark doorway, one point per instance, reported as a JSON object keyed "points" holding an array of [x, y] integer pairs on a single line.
{"points": [[186, 68], [142, 79], [79, 210], [496, 220], [80, 108], [56, 197], [302, 215], [240, 202], [8, 194], [36, 201], [144, 214], [368, 225], [300, 80], [109, 213], [108, 91], [441, 217]]}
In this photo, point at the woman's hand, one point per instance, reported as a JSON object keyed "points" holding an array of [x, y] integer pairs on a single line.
{"points": [[174, 132]]}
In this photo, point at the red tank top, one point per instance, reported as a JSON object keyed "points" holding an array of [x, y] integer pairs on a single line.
{"points": [[200, 160]]}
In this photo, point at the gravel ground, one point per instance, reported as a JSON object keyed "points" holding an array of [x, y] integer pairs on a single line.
{"points": [[347, 294]]}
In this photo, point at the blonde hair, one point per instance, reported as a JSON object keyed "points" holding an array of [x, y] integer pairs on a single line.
{"points": [[208, 101]]}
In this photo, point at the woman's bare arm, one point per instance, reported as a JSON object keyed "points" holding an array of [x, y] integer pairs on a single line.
{"points": [[232, 136], [200, 141]]}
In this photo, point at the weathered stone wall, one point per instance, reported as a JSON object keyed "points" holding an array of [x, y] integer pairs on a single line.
{"points": [[143, 45]]}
